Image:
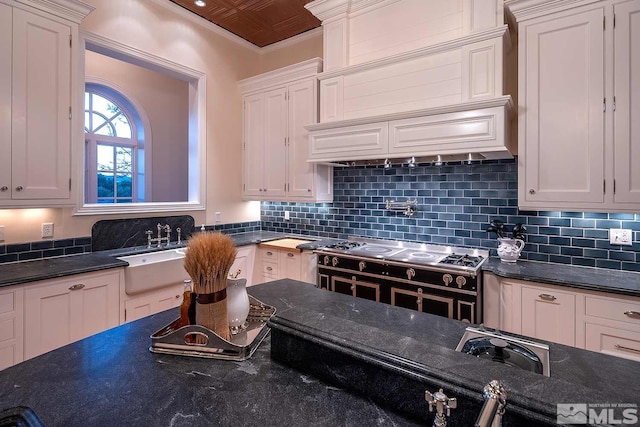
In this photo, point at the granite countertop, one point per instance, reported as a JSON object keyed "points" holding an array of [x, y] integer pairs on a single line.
{"points": [[15, 273], [113, 378], [594, 279], [424, 345]]}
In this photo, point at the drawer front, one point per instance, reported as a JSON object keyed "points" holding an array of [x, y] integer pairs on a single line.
{"points": [[269, 255], [269, 269], [7, 329], [7, 302], [613, 341], [614, 309]]}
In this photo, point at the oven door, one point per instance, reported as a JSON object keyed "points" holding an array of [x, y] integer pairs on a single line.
{"points": [[399, 292]]}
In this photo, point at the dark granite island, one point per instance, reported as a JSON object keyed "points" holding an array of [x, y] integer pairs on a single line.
{"points": [[335, 343]]}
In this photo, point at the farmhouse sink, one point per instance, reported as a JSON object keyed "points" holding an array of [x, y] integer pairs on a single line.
{"points": [[154, 270]]}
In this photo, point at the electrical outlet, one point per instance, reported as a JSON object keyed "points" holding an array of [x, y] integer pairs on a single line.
{"points": [[286, 216], [620, 236], [47, 229], [1, 233]]}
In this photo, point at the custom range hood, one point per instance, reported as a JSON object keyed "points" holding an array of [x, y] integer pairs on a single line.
{"points": [[412, 81]]}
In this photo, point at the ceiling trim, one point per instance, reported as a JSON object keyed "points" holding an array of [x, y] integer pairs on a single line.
{"points": [[167, 4], [291, 40]]}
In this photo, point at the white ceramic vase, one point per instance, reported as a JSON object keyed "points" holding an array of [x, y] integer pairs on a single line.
{"points": [[237, 304], [509, 249]]}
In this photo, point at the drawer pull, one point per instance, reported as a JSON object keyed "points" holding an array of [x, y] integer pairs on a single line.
{"points": [[547, 297], [269, 268], [269, 253], [289, 254], [632, 314], [621, 347], [76, 287]]}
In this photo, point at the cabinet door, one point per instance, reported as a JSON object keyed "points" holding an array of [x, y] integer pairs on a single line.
{"points": [[275, 152], [253, 122], [11, 326], [41, 125], [627, 96], [548, 315], [561, 100], [244, 262], [153, 302], [58, 312], [289, 265], [302, 112], [5, 101]]}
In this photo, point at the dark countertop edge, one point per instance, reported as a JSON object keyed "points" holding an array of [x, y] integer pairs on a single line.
{"points": [[619, 282], [44, 269]]}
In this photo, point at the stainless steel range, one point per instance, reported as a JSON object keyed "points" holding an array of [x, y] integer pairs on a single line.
{"points": [[441, 280]]}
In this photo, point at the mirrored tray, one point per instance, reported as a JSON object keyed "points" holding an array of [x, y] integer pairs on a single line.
{"points": [[173, 339]]}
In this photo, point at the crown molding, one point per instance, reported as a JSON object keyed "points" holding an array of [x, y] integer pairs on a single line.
{"points": [[528, 9], [72, 10], [301, 70]]}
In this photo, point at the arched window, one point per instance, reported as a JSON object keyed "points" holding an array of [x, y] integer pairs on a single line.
{"points": [[114, 138]]}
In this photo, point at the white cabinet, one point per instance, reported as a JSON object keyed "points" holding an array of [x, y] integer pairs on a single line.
{"points": [[277, 105], [11, 325], [36, 93], [576, 99], [244, 262], [596, 321], [60, 311], [152, 302], [286, 264]]}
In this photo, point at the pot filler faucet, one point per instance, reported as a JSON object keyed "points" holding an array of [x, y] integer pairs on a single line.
{"points": [[495, 401], [160, 239]]}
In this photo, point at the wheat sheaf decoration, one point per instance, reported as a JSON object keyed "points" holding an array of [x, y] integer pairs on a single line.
{"points": [[208, 261]]}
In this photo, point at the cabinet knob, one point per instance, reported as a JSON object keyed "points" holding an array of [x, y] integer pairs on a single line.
{"points": [[269, 253], [334, 261], [4, 188], [177, 296], [532, 191], [269, 268], [76, 287], [260, 189], [547, 297], [289, 254], [19, 188], [309, 190]]}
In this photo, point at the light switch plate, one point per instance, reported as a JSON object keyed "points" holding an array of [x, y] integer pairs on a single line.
{"points": [[47, 229], [620, 236], [1, 233]]}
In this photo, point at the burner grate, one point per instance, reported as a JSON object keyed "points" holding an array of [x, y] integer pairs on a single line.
{"points": [[462, 260]]}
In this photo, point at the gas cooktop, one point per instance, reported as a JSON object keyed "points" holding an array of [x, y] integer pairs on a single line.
{"points": [[411, 253]]}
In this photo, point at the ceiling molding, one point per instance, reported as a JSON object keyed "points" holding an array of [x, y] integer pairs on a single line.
{"points": [[292, 40]]}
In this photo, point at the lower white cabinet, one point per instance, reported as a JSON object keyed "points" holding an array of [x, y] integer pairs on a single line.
{"points": [[597, 321], [283, 263], [245, 258], [11, 325], [60, 311], [153, 302]]}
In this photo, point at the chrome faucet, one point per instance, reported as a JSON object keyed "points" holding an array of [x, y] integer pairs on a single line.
{"points": [[440, 402], [495, 401], [160, 239]]}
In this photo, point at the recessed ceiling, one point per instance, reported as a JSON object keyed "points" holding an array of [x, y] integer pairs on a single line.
{"points": [[261, 22]]}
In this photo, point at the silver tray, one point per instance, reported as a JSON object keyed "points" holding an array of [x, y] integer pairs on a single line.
{"points": [[172, 339]]}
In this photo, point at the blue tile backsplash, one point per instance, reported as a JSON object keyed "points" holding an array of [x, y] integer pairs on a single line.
{"points": [[456, 202]]}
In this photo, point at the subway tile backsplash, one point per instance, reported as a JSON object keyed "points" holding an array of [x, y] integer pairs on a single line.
{"points": [[456, 202], [44, 249]]}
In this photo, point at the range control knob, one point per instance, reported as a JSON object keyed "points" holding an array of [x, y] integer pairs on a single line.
{"points": [[461, 281], [362, 265], [334, 261], [326, 260], [411, 273], [447, 279]]}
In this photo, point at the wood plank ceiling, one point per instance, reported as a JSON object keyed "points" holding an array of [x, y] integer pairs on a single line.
{"points": [[261, 22]]}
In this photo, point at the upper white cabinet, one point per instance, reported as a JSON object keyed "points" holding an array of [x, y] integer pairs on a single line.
{"points": [[577, 142], [433, 78], [277, 106], [37, 94]]}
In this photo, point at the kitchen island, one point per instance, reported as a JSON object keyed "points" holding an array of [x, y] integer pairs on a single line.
{"points": [[331, 360]]}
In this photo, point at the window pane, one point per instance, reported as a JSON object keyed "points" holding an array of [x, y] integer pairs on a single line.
{"points": [[105, 157], [105, 185], [105, 200], [123, 159], [104, 106], [121, 124], [124, 186], [124, 201], [107, 130], [96, 121], [87, 124], [87, 95]]}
